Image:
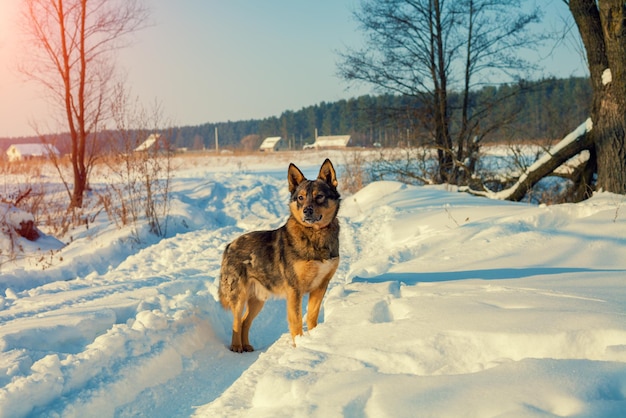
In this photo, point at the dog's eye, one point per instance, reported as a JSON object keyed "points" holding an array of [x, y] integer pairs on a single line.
{"points": [[300, 198], [320, 198]]}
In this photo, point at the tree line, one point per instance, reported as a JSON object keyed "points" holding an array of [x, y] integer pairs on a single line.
{"points": [[540, 110], [537, 110]]}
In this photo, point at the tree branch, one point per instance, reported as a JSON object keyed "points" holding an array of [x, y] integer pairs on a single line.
{"points": [[574, 143]]}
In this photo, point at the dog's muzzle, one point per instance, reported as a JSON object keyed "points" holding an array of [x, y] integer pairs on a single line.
{"points": [[309, 215]]}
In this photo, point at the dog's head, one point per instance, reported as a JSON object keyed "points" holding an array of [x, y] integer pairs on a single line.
{"points": [[314, 203]]}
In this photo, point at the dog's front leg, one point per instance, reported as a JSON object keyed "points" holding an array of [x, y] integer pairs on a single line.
{"points": [[294, 313], [315, 303]]}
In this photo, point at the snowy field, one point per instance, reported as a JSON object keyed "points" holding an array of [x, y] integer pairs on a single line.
{"points": [[444, 305]]}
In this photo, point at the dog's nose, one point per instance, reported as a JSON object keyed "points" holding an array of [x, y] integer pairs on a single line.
{"points": [[308, 211]]}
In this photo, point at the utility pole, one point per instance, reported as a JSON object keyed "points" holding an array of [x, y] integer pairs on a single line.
{"points": [[217, 142]]}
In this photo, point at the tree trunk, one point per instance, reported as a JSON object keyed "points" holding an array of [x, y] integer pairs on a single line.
{"points": [[610, 145], [442, 129], [80, 185], [583, 178], [604, 36]]}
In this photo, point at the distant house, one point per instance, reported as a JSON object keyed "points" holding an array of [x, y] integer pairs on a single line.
{"points": [[20, 152], [154, 142], [271, 144], [329, 142]]}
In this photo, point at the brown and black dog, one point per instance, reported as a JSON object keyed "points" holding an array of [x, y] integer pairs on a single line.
{"points": [[298, 258]]}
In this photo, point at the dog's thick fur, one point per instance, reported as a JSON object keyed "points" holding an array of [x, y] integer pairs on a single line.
{"points": [[298, 258]]}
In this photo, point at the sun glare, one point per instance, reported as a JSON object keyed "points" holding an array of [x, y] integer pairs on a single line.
{"points": [[8, 21]]}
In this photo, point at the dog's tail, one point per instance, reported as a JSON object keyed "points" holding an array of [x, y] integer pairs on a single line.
{"points": [[227, 291], [222, 291]]}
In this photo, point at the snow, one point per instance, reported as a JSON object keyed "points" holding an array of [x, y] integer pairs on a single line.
{"points": [[607, 76], [444, 304], [13, 216]]}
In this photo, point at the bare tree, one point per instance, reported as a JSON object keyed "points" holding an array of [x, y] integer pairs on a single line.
{"points": [[424, 48], [406, 51], [71, 48], [493, 33]]}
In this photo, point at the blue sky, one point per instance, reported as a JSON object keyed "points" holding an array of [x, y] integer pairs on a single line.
{"points": [[211, 61]]}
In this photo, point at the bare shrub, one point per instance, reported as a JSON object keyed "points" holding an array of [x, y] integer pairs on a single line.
{"points": [[354, 176], [411, 165], [140, 167], [250, 143]]}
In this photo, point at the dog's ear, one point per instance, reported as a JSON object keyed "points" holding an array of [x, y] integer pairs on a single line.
{"points": [[295, 177], [327, 174]]}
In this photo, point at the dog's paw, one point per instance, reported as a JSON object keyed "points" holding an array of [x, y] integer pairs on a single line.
{"points": [[236, 348], [241, 348]]}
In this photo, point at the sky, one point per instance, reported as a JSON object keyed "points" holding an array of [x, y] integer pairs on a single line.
{"points": [[215, 61]]}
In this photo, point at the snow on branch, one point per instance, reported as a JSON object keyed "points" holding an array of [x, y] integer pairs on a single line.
{"points": [[607, 77], [568, 147], [14, 219]]}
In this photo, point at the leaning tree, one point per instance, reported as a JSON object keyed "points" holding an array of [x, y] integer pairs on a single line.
{"points": [[602, 28]]}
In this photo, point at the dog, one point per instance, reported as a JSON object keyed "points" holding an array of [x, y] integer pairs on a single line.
{"points": [[299, 257]]}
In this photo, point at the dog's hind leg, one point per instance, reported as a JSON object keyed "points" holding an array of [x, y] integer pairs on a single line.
{"points": [[237, 309], [254, 307]]}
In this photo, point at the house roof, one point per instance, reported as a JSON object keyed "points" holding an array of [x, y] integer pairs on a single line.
{"points": [[32, 150], [270, 142], [332, 141], [149, 142]]}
